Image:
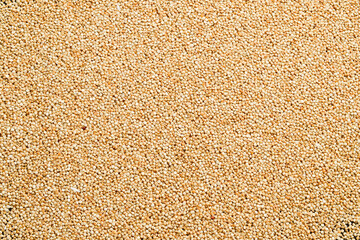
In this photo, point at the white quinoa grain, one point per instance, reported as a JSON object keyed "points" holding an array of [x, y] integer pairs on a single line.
{"points": [[179, 119]]}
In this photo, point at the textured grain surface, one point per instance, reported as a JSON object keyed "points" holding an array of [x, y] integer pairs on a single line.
{"points": [[179, 119]]}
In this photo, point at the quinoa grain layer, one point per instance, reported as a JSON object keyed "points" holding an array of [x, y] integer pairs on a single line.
{"points": [[179, 119]]}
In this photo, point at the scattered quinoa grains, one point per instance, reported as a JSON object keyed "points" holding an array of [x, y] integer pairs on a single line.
{"points": [[179, 119]]}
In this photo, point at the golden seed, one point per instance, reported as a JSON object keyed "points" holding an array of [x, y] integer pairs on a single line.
{"points": [[179, 119]]}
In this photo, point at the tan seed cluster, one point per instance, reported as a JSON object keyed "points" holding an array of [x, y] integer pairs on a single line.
{"points": [[179, 119]]}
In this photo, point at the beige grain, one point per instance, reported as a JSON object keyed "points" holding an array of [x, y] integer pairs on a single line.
{"points": [[179, 119]]}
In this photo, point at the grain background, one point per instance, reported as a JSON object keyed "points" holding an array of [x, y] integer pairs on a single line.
{"points": [[179, 119]]}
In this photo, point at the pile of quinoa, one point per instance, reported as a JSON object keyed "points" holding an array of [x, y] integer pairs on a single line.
{"points": [[179, 119]]}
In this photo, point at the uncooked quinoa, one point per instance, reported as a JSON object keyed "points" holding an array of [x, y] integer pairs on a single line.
{"points": [[179, 119]]}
